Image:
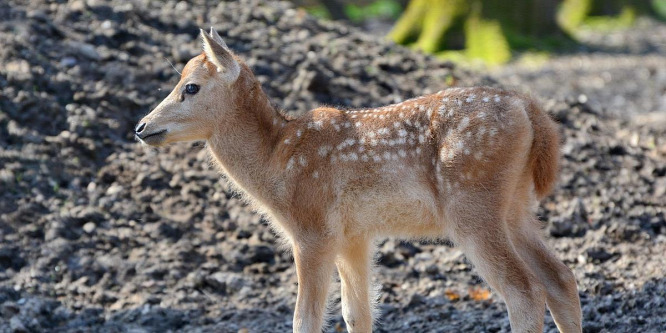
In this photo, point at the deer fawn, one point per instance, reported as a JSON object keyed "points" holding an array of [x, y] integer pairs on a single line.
{"points": [[466, 164]]}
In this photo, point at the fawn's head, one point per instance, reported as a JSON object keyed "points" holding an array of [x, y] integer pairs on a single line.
{"points": [[203, 94]]}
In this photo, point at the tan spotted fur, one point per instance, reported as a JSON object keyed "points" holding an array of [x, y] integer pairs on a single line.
{"points": [[467, 164]]}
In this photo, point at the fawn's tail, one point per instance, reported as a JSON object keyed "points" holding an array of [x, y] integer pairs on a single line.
{"points": [[545, 152]]}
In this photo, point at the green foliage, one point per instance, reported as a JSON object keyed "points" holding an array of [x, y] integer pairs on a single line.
{"points": [[659, 7], [408, 27], [319, 11], [572, 13], [575, 15], [384, 9], [439, 18], [625, 19], [486, 41]]}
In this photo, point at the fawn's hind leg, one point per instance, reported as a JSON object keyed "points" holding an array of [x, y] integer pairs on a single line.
{"points": [[483, 239], [558, 280], [354, 265], [314, 265]]}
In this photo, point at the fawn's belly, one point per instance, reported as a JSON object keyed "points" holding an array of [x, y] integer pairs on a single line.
{"points": [[409, 209]]}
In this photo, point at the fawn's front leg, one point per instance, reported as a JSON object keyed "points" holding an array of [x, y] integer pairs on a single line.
{"points": [[354, 263], [314, 266]]}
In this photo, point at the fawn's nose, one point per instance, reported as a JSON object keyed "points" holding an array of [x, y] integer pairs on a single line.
{"points": [[139, 128]]}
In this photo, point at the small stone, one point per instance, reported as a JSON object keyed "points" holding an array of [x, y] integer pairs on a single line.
{"points": [[89, 227], [114, 189], [598, 254], [77, 5], [582, 98], [68, 62], [16, 325], [85, 50]]}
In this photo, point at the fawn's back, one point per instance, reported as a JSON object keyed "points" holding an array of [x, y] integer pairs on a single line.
{"points": [[396, 169]]}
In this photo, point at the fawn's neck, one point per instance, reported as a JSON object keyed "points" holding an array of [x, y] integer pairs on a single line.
{"points": [[244, 141]]}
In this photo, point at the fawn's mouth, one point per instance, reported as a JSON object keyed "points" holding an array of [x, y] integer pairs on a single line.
{"points": [[153, 139]]}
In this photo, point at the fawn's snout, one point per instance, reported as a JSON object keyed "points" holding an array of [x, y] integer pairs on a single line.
{"points": [[149, 135]]}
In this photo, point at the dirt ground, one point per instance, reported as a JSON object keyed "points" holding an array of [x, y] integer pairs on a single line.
{"points": [[98, 233]]}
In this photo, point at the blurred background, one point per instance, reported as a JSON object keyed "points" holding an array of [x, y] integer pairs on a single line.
{"points": [[101, 234], [490, 31]]}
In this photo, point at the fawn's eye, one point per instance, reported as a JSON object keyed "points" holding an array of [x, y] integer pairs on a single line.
{"points": [[191, 89]]}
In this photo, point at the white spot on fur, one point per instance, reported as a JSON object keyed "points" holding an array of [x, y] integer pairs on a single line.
{"points": [[315, 174], [481, 131], [323, 150], [442, 154], [298, 133], [302, 161], [463, 123], [287, 141]]}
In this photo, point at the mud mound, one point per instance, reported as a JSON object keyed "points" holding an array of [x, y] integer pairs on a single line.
{"points": [[101, 234]]}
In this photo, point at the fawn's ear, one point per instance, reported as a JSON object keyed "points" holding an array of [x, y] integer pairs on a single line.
{"points": [[216, 37], [221, 57]]}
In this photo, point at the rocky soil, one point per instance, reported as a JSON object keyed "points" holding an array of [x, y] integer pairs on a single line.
{"points": [[98, 233]]}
